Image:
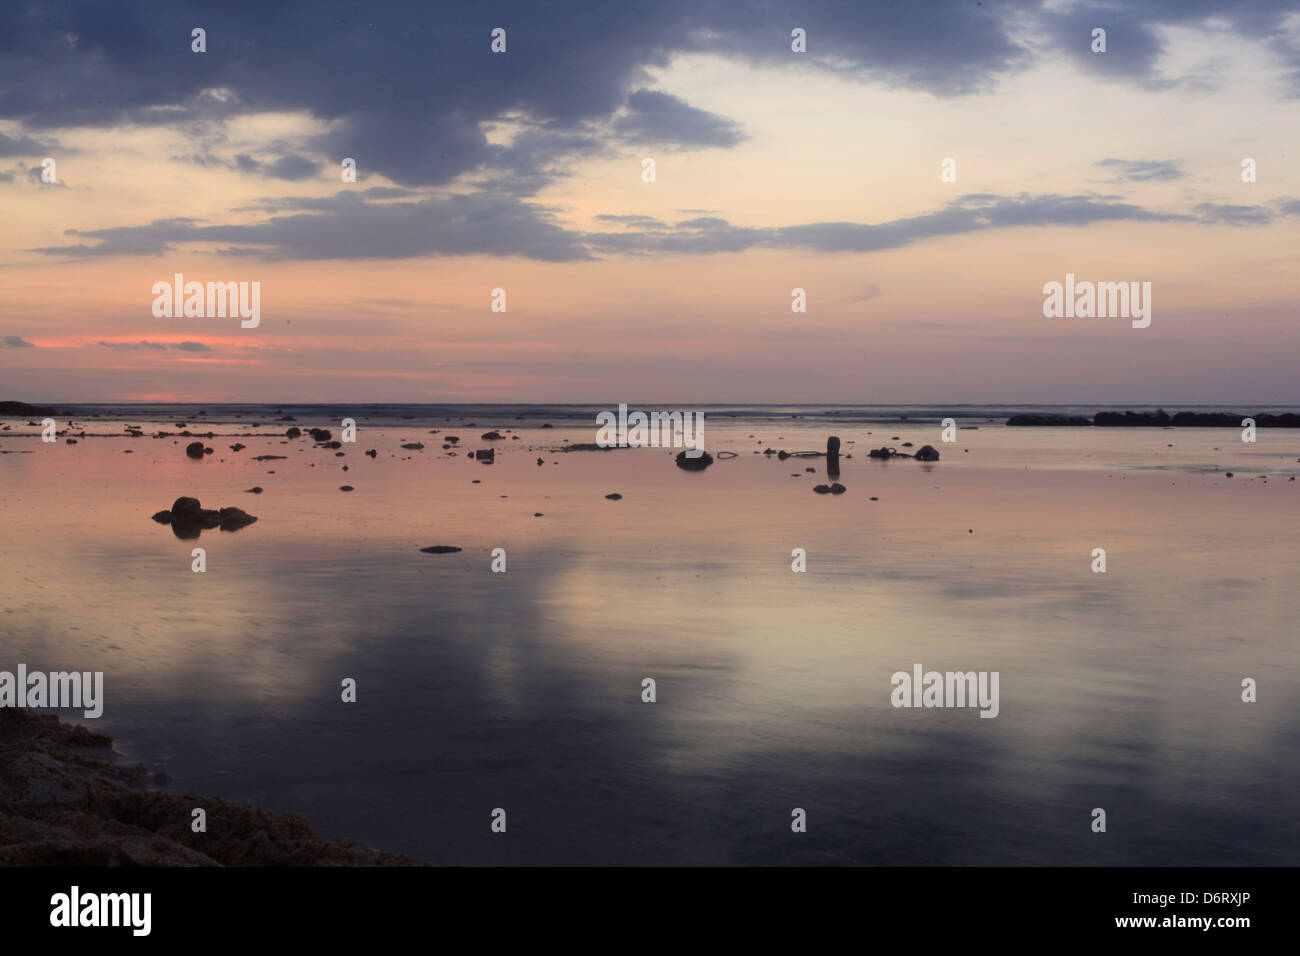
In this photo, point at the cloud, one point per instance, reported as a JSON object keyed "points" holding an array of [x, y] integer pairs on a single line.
{"points": [[659, 119], [142, 344], [23, 146], [17, 342], [290, 166], [346, 226], [192, 347], [1161, 170]]}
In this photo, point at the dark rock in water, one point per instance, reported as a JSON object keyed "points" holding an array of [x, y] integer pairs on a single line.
{"points": [[811, 471], [1048, 420], [268, 457], [232, 519], [882, 453], [822, 489], [490, 436], [838, 489], [548, 425], [372, 453], [70, 441], [414, 445], [194, 449], [186, 508], [1229, 474], [614, 497], [188, 518], [440, 549], [451, 438], [331, 444], [782, 455], [927, 453], [207, 450], [255, 490], [907, 444], [538, 514], [590, 446], [699, 463], [540, 462], [294, 432], [487, 455], [833, 456], [237, 447], [346, 488], [320, 434]]}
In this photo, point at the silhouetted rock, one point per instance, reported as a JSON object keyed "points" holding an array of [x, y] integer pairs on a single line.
{"points": [[194, 449], [414, 445], [1048, 420], [294, 432], [490, 436], [927, 453], [615, 497], [440, 549], [699, 463]]}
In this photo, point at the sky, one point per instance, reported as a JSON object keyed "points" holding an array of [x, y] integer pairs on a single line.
{"points": [[774, 170]]}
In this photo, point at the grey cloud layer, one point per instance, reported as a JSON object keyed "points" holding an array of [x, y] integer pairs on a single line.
{"points": [[346, 226]]}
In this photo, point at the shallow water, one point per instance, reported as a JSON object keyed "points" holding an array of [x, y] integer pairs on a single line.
{"points": [[522, 690]]}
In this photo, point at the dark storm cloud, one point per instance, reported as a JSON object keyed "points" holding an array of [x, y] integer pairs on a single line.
{"points": [[17, 342]]}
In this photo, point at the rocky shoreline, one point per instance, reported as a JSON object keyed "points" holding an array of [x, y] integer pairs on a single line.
{"points": [[67, 800], [1159, 419]]}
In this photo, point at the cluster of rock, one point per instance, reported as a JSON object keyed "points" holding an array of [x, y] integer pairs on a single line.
{"points": [[188, 518], [1160, 419]]}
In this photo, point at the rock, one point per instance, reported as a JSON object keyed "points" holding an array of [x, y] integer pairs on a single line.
{"points": [[486, 455], [70, 441], [686, 462], [320, 434], [538, 514], [268, 457], [294, 432], [450, 438], [838, 489], [927, 453], [614, 497], [255, 490], [207, 450], [440, 549], [490, 436], [372, 453], [881, 453], [194, 449], [188, 518], [237, 447], [346, 488], [822, 489], [540, 462], [414, 446]]}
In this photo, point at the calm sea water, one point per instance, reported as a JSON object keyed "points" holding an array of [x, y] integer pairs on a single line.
{"points": [[522, 690]]}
